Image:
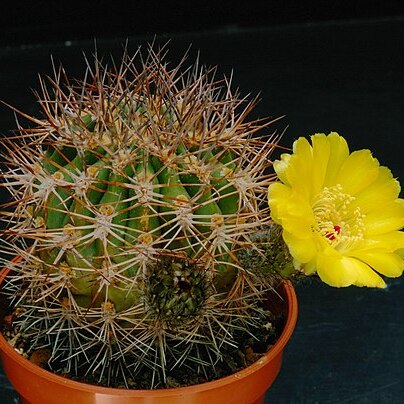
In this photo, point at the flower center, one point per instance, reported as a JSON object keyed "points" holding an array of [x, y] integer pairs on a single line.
{"points": [[338, 219], [332, 236]]}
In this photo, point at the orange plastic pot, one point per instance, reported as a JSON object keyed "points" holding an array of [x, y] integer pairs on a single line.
{"points": [[38, 386]]}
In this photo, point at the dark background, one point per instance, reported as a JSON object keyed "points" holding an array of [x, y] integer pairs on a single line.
{"points": [[71, 20], [327, 67]]}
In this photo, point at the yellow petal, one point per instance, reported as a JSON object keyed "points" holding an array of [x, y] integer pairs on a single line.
{"points": [[310, 267], [302, 249], [290, 210], [338, 155], [278, 195], [367, 277], [384, 189], [277, 190], [388, 264], [296, 226], [335, 270], [400, 252], [391, 241], [341, 271], [388, 217], [299, 171], [296, 218], [321, 154], [358, 171], [302, 147], [281, 166]]}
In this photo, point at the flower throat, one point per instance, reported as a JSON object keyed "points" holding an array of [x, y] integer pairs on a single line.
{"points": [[337, 217]]}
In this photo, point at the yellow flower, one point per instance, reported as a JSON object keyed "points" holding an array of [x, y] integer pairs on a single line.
{"points": [[340, 212]]}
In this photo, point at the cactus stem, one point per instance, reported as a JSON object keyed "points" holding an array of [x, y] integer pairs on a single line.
{"points": [[136, 194]]}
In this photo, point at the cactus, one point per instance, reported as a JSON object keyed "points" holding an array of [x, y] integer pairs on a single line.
{"points": [[132, 199]]}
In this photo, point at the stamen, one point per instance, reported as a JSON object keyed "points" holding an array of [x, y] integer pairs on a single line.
{"points": [[337, 218]]}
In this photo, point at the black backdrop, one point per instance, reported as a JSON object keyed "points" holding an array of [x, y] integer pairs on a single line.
{"points": [[44, 21], [329, 68]]}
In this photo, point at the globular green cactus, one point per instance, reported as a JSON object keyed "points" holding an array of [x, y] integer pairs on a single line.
{"points": [[133, 197]]}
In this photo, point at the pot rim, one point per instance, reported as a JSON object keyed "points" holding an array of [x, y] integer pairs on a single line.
{"points": [[276, 349]]}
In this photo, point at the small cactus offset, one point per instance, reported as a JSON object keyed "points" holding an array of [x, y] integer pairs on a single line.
{"points": [[133, 201]]}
